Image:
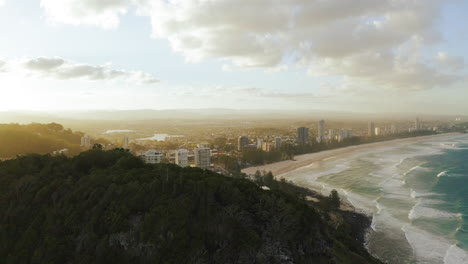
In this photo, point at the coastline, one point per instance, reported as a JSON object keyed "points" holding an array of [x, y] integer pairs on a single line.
{"points": [[281, 167], [362, 220]]}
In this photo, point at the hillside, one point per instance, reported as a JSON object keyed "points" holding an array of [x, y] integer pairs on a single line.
{"points": [[18, 139], [109, 207]]}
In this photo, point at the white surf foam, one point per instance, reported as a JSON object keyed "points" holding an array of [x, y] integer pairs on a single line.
{"points": [[444, 173], [389, 217], [418, 167], [427, 248], [455, 255], [419, 211]]}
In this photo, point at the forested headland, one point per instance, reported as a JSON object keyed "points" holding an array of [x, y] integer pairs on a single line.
{"points": [[110, 207], [17, 139]]}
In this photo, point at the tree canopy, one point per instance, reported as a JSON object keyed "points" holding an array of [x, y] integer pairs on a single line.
{"points": [[110, 207]]}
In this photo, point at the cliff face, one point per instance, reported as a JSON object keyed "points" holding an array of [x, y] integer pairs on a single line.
{"points": [[108, 207]]}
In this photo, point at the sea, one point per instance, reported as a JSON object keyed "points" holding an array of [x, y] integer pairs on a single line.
{"points": [[415, 191]]}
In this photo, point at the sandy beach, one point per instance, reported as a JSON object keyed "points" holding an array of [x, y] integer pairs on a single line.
{"points": [[299, 161]]}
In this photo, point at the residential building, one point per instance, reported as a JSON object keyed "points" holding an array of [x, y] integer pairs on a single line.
{"points": [[344, 134], [378, 131], [259, 143], [267, 146], [85, 141], [181, 157], [277, 143], [302, 135], [417, 124], [321, 131], [60, 152], [152, 156], [371, 129], [331, 134], [202, 158], [241, 142]]}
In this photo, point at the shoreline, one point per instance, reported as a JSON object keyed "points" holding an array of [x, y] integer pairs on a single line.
{"points": [[299, 161]]}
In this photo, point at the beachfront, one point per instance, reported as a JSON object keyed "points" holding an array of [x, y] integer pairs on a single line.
{"points": [[299, 161]]}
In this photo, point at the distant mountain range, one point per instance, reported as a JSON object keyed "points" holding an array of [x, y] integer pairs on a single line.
{"points": [[211, 113]]}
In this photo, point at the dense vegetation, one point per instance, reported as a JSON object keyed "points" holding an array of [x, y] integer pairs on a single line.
{"points": [[109, 207], [16, 139]]}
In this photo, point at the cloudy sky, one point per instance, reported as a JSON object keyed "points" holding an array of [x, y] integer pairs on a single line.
{"points": [[340, 55]]}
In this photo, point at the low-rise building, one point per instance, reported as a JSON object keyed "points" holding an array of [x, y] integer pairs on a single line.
{"points": [[152, 156], [85, 141], [267, 146]]}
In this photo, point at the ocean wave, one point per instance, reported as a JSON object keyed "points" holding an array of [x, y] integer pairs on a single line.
{"points": [[378, 207], [429, 248], [444, 173], [418, 167], [411, 214], [414, 195], [396, 205], [419, 211], [455, 255], [333, 170]]}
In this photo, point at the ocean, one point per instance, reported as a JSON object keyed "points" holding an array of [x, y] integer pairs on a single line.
{"points": [[415, 192]]}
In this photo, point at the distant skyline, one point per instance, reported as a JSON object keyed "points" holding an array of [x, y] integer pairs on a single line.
{"points": [[334, 55]]}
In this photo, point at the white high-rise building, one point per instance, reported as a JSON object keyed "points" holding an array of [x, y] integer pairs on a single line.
{"points": [[85, 141], [378, 131], [331, 134], [259, 143], [202, 158], [181, 157], [417, 124], [152, 156], [321, 131], [126, 144], [393, 129], [277, 143]]}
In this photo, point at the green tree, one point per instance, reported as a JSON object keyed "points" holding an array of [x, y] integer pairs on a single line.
{"points": [[334, 199]]}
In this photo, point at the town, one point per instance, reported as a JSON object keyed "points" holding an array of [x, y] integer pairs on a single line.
{"points": [[227, 152]]}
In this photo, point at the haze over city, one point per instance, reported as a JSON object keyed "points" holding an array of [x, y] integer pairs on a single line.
{"points": [[360, 56]]}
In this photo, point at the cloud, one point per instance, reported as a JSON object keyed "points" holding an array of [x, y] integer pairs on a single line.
{"points": [[2, 64], [43, 64], [2, 2], [397, 70], [368, 42], [264, 32], [61, 69], [453, 62], [102, 13]]}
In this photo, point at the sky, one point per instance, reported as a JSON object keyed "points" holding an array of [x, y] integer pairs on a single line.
{"points": [[331, 55]]}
